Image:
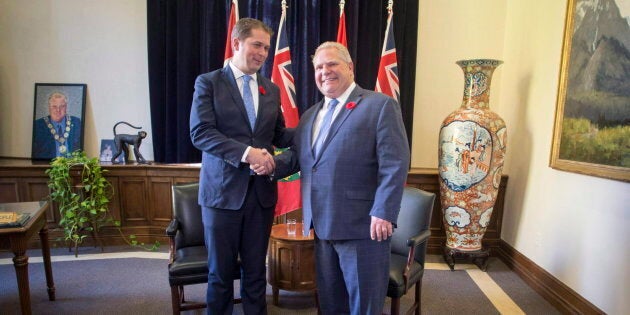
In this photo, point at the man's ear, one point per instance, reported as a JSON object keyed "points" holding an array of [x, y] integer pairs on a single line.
{"points": [[235, 44]]}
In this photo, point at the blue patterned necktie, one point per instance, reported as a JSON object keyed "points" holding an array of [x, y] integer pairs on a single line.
{"points": [[325, 126], [248, 99]]}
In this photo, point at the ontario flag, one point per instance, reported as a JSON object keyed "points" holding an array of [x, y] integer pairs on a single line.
{"points": [[341, 30], [289, 196], [387, 80], [228, 41]]}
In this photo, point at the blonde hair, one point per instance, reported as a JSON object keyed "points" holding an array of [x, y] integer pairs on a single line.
{"points": [[57, 94]]}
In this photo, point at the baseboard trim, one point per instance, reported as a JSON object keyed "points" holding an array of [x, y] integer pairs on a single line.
{"points": [[553, 290]]}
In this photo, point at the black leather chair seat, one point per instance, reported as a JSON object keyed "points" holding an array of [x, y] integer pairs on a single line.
{"points": [[396, 287], [190, 268]]}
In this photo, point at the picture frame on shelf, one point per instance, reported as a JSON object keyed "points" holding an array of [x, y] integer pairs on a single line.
{"points": [[58, 117], [108, 148], [593, 104]]}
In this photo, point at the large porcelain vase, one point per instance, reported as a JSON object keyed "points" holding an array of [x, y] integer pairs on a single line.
{"points": [[471, 150]]}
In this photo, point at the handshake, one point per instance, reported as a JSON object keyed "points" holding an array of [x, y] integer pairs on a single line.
{"points": [[261, 161]]}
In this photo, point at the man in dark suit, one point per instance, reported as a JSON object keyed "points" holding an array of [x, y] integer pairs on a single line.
{"points": [[57, 134], [235, 120], [353, 154]]}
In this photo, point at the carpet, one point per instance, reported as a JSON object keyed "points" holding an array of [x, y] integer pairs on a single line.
{"points": [[125, 282]]}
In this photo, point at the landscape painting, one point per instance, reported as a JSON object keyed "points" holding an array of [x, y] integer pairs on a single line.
{"points": [[592, 128]]}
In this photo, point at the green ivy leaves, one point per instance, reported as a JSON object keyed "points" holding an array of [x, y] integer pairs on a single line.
{"points": [[78, 185]]}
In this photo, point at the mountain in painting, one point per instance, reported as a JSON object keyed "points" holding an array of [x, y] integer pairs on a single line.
{"points": [[599, 70]]}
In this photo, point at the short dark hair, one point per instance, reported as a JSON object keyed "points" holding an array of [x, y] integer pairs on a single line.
{"points": [[243, 28]]}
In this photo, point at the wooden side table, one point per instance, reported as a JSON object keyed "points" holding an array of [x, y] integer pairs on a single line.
{"points": [[291, 261], [18, 238]]}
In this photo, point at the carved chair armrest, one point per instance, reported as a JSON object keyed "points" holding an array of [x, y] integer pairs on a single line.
{"points": [[171, 231], [413, 243]]}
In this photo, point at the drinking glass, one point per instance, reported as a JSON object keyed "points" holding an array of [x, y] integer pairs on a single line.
{"points": [[291, 226]]}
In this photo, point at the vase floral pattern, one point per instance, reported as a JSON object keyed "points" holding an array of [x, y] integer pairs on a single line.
{"points": [[472, 146]]}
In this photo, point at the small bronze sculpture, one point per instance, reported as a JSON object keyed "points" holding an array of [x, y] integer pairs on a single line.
{"points": [[121, 142]]}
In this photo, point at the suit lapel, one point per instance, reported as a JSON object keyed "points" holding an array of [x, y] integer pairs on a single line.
{"points": [[355, 96], [263, 99], [230, 82]]}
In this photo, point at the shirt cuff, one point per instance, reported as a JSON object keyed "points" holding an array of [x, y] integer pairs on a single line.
{"points": [[244, 158]]}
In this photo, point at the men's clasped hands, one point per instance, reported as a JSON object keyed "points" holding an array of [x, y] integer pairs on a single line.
{"points": [[261, 161]]}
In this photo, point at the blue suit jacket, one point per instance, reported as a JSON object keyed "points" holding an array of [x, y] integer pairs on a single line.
{"points": [[44, 144], [219, 127], [361, 169]]}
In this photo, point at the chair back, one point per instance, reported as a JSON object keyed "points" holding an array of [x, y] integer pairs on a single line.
{"points": [[414, 218], [187, 211]]}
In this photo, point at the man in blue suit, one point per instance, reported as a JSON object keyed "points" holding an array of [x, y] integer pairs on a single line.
{"points": [[235, 120], [57, 134], [353, 154]]}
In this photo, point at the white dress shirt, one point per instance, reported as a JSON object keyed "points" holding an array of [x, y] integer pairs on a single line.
{"points": [[320, 116], [253, 86]]}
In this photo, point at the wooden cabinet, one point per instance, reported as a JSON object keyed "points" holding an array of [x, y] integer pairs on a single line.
{"points": [[142, 198], [291, 261]]}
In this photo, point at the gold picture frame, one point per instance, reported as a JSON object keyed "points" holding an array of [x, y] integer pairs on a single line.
{"points": [[592, 111]]}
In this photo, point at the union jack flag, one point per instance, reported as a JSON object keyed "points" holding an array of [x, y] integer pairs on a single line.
{"points": [[232, 19], [387, 80], [289, 197], [281, 75]]}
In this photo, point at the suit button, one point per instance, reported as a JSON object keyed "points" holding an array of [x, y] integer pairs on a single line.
{"points": [[314, 169]]}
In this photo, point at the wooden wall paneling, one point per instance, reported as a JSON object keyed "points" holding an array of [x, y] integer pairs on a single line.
{"points": [[134, 201], [184, 180], [36, 189], [114, 201], [9, 190], [189, 171], [142, 195], [160, 200]]}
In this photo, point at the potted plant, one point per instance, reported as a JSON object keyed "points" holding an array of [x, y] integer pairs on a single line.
{"points": [[78, 185]]}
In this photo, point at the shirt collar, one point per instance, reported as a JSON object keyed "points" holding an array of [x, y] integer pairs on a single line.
{"points": [[60, 123], [342, 98], [238, 73]]}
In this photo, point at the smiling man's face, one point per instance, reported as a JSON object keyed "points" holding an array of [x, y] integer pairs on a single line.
{"points": [[333, 75], [57, 107], [250, 54]]}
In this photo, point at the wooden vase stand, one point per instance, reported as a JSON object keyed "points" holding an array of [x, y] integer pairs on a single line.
{"points": [[478, 257]]}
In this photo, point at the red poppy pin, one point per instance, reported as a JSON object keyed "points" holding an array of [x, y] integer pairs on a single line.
{"points": [[262, 90], [351, 105]]}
